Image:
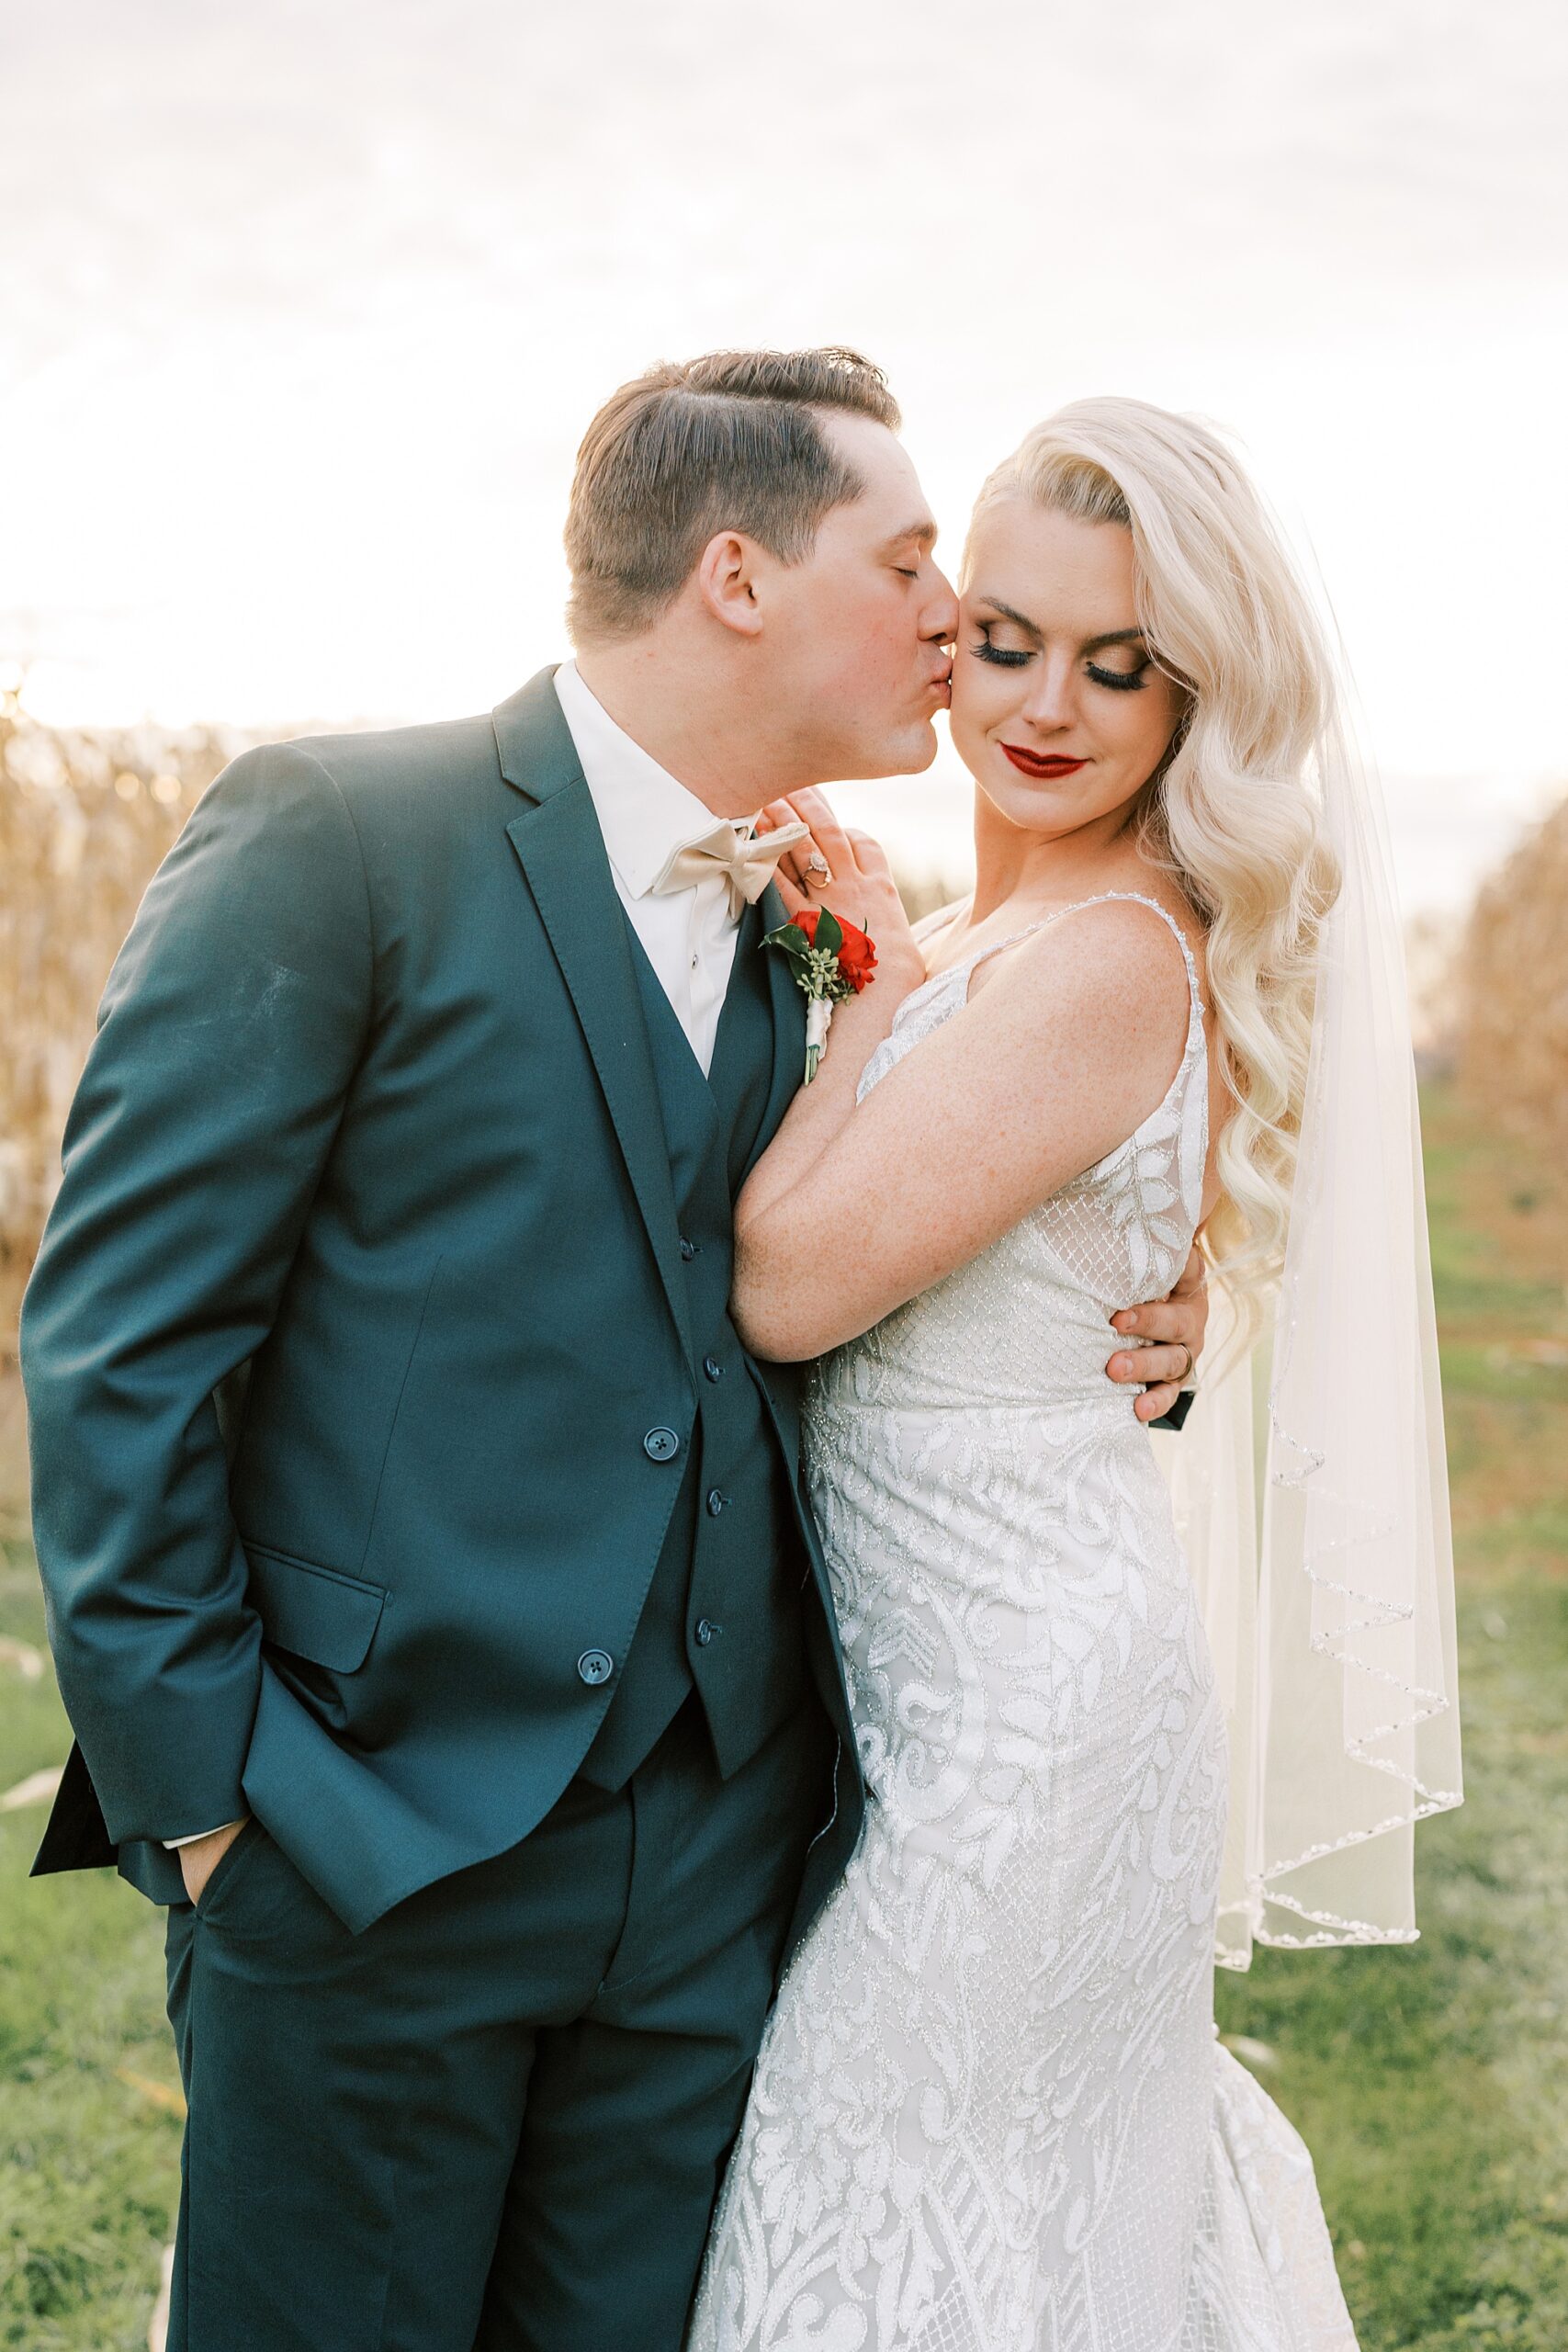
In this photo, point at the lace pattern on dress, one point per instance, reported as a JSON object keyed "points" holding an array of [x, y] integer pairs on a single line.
{"points": [[989, 2113]]}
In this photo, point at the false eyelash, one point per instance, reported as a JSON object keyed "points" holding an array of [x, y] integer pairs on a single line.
{"points": [[1122, 682]]}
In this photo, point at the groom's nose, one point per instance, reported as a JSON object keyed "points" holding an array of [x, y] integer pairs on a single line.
{"points": [[939, 622]]}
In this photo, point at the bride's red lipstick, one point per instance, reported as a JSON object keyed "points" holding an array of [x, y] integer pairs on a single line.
{"points": [[1031, 763]]}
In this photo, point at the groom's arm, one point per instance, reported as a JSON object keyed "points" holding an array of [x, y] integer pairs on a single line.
{"points": [[227, 1037]]}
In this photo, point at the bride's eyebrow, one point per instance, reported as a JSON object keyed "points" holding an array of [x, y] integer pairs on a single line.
{"points": [[1090, 645], [1019, 620]]}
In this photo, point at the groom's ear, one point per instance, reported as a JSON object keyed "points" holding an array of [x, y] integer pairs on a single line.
{"points": [[729, 575]]}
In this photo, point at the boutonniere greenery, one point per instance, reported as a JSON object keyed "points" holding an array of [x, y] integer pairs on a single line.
{"points": [[832, 960]]}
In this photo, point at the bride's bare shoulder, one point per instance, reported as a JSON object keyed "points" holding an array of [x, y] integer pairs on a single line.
{"points": [[1088, 943], [938, 920]]}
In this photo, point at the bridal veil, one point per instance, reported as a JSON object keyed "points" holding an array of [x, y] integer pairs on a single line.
{"points": [[1332, 1621]]}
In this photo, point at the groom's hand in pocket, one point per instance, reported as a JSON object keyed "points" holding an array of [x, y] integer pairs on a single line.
{"points": [[1168, 1334], [202, 1856]]}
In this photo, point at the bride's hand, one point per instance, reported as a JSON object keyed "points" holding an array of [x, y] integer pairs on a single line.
{"points": [[849, 871]]}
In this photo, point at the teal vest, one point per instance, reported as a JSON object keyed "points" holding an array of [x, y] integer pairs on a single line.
{"points": [[724, 1612]]}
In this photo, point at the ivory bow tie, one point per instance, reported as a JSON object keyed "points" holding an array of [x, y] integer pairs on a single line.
{"points": [[747, 865]]}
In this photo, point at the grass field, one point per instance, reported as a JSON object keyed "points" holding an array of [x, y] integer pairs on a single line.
{"points": [[1432, 2083]]}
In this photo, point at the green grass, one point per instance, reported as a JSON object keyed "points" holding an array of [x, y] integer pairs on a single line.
{"points": [[89, 2164], [1431, 2083]]}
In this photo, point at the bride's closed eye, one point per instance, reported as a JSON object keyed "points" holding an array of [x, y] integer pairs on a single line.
{"points": [[1010, 657], [1124, 682]]}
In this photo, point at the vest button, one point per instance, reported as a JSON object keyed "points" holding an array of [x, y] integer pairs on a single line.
{"points": [[595, 1667], [706, 1629], [661, 1445], [712, 1368], [716, 1502], [688, 1249]]}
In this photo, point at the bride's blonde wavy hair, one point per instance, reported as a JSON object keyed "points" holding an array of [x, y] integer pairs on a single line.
{"points": [[1236, 812]]}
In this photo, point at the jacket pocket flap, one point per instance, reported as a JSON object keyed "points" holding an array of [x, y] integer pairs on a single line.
{"points": [[318, 1614]]}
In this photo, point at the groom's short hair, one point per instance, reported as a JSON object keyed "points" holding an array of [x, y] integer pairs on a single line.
{"points": [[731, 442]]}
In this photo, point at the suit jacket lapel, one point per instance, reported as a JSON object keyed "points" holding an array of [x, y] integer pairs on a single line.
{"points": [[561, 852], [788, 1006]]}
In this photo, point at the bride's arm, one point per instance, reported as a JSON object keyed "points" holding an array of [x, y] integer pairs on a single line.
{"points": [[1071, 1042]]}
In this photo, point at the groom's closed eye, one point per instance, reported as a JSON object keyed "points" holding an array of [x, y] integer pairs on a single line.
{"points": [[907, 550]]}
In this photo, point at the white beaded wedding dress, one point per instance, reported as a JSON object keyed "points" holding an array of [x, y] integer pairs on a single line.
{"points": [[991, 2113]]}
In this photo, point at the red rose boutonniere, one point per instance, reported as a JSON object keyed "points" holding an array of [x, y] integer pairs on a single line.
{"points": [[832, 961]]}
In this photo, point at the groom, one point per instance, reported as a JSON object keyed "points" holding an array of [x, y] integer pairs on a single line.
{"points": [[429, 1579]]}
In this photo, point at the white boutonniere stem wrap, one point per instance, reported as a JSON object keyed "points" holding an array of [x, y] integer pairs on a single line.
{"points": [[832, 960]]}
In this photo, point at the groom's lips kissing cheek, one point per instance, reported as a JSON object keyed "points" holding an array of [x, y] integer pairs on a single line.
{"points": [[1034, 763]]}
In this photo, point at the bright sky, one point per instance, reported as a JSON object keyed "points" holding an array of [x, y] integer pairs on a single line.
{"points": [[303, 308]]}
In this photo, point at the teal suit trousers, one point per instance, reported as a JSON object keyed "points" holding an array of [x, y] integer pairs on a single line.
{"points": [[496, 2119]]}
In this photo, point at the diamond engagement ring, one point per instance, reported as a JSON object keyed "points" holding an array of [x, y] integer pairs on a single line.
{"points": [[818, 864]]}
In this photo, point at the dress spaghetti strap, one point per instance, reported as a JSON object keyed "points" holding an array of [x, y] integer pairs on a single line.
{"points": [[1100, 899]]}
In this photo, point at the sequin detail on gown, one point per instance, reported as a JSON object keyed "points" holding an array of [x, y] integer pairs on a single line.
{"points": [[991, 2113]]}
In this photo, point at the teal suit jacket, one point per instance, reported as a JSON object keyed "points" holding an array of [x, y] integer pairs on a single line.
{"points": [[354, 1342]]}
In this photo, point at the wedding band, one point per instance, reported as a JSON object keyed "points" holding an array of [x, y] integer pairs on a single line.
{"points": [[1186, 1373], [818, 864]]}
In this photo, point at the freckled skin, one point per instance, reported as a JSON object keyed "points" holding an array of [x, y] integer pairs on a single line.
{"points": [[1068, 1041]]}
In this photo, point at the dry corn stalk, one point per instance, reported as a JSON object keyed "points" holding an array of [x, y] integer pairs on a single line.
{"points": [[1513, 1050], [84, 821]]}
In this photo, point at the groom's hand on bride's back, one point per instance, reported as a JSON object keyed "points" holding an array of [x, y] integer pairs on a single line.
{"points": [[1168, 1334]]}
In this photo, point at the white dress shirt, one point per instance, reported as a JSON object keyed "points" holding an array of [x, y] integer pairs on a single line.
{"points": [[688, 935]]}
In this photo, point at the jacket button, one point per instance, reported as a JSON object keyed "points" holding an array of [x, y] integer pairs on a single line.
{"points": [[706, 1629], [688, 1249], [712, 1368], [595, 1667], [716, 1502], [661, 1445]]}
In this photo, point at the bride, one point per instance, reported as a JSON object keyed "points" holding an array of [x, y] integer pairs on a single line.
{"points": [[991, 2113]]}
